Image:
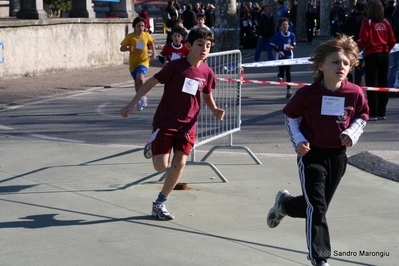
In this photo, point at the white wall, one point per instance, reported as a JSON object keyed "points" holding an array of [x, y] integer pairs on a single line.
{"points": [[54, 45]]}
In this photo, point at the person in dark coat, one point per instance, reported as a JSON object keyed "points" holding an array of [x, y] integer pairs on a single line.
{"points": [[352, 28], [210, 16], [189, 18], [310, 17], [393, 77], [265, 32]]}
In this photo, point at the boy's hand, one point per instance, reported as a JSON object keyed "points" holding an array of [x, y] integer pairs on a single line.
{"points": [[153, 57], [346, 140], [302, 148], [219, 113], [125, 111]]}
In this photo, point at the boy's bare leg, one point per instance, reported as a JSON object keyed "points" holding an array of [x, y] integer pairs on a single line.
{"points": [[138, 82], [161, 162]]}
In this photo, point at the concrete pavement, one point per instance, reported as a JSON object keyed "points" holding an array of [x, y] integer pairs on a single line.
{"points": [[77, 204]]}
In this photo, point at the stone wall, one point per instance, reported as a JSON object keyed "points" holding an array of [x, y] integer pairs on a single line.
{"points": [[34, 47], [4, 8]]}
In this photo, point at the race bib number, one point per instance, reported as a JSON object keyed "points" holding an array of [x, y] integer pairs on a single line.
{"points": [[332, 105], [140, 45], [190, 86]]}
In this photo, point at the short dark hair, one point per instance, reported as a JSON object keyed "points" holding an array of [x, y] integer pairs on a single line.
{"points": [[360, 6], [137, 20], [283, 19], [179, 30], [201, 16], [200, 33]]}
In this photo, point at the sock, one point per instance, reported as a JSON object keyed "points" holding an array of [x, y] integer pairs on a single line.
{"points": [[162, 198]]}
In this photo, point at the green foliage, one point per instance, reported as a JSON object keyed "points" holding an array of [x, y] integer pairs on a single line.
{"points": [[57, 6]]}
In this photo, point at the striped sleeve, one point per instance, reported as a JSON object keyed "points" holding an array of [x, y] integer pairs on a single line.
{"points": [[355, 130], [292, 125]]}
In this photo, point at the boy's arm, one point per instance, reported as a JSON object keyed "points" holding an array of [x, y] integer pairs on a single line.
{"points": [[210, 102], [299, 142], [126, 48], [154, 52], [351, 135], [146, 87]]}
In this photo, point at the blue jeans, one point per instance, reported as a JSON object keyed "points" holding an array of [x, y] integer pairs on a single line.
{"points": [[259, 47], [394, 71]]}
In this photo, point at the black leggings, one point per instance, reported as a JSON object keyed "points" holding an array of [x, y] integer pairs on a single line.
{"points": [[287, 70], [320, 172], [376, 75]]}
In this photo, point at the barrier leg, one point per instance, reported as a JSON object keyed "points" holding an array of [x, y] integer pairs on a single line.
{"points": [[231, 147], [211, 165]]}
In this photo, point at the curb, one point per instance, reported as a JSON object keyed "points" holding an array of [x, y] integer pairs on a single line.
{"points": [[375, 165]]}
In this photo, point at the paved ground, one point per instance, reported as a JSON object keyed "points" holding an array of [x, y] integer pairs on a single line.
{"points": [[78, 204]]}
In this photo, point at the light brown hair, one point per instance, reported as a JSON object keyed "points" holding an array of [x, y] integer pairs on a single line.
{"points": [[342, 43]]}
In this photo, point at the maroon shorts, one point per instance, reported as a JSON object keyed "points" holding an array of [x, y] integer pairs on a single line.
{"points": [[165, 140]]}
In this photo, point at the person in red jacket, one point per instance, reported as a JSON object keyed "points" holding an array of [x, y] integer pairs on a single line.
{"points": [[376, 38], [144, 14]]}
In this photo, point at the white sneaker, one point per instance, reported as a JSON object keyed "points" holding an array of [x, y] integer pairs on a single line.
{"points": [[159, 211], [148, 151], [142, 103], [276, 214], [323, 264]]}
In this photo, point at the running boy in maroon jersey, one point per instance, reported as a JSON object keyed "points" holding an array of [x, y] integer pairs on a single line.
{"points": [[175, 120], [322, 119]]}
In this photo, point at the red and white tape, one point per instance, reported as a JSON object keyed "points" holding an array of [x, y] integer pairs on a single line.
{"points": [[299, 84]]}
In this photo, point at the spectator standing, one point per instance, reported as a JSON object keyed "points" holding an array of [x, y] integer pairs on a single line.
{"points": [[293, 11], [318, 17], [352, 28], [210, 16], [283, 42], [197, 9], [201, 23], [144, 14], [338, 9], [310, 17], [388, 10], [245, 26], [281, 12], [337, 17], [265, 32], [171, 10], [137, 43], [165, 19], [394, 71], [376, 38], [335, 26], [189, 18]]}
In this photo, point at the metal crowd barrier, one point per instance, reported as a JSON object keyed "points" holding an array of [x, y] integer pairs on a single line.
{"points": [[227, 95]]}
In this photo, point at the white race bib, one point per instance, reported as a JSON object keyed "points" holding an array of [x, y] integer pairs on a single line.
{"points": [[140, 45], [190, 86], [332, 106], [174, 56]]}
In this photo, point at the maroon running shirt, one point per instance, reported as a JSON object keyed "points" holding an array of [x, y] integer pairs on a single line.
{"points": [[323, 130]]}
